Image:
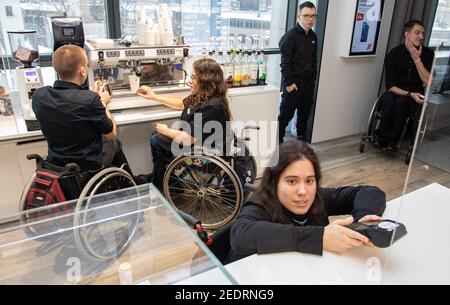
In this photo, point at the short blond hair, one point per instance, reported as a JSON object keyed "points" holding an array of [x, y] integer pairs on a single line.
{"points": [[67, 60]]}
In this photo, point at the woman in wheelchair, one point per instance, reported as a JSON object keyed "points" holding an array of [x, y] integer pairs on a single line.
{"points": [[289, 211], [207, 103]]}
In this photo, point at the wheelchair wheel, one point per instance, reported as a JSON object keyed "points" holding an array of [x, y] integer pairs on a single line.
{"points": [[204, 187], [103, 227]]}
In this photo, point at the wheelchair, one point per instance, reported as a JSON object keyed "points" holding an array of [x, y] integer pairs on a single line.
{"points": [[209, 187], [410, 127], [87, 215]]}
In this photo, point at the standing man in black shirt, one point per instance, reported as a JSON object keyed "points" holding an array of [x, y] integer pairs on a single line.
{"points": [[408, 69], [299, 69], [76, 121]]}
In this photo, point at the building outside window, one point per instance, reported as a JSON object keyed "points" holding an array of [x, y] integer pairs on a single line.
{"points": [[200, 20], [9, 11], [35, 15], [441, 27]]}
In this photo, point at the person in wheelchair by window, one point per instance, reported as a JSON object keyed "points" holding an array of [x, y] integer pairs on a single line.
{"points": [[408, 69], [75, 121], [289, 210], [207, 101]]}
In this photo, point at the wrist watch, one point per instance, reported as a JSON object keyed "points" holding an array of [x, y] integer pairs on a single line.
{"points": [[408, 94]]}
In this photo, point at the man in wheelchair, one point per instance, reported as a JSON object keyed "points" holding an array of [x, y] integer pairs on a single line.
{"points": [[74, 120], [408, 69]]}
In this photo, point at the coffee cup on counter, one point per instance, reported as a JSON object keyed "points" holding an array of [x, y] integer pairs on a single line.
{"points": [[134, 82]]}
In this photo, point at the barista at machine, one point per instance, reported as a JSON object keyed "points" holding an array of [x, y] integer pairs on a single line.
{"points": [[208, 99], [76, 121]]}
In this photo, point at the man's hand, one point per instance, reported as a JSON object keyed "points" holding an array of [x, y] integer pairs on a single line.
{"points": [[104, 95], [291, 88], [418, 98], [415, 54]]}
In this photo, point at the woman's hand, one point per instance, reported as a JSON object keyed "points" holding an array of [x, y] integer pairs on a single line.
{"points": [[338, 238], [161, 128], [147, 92], [370, 218]]}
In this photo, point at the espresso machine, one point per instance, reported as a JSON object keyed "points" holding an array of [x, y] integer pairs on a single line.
{"points": [[24, 51], [113, 62]]}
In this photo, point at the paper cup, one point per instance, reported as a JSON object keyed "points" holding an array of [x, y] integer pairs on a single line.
{"points": [[134, 82]]}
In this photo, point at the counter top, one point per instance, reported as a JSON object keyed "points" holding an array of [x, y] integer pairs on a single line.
{"points": [[13, 128]]}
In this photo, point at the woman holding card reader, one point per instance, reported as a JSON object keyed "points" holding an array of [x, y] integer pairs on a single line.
{"points": [[289, 211]]}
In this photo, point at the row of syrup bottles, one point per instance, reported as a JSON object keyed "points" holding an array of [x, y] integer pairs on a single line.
{"points": [[243, 61]]}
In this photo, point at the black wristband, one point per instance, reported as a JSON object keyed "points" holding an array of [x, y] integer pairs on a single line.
{"points": [[408, 94]]}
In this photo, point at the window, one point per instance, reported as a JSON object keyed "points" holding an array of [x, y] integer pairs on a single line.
{"points": [[9, 11], [440, 34], [200, 20], [35, 15]]}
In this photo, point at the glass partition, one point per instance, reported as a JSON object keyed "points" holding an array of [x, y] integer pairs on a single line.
{"points": [[131, 236], [421, 257], [8, 125]]}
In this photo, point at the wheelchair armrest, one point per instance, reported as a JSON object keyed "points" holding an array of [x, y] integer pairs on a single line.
{"points": [[38, 158], [254, 127], [249, 127], [35, 157], [244, 139]]}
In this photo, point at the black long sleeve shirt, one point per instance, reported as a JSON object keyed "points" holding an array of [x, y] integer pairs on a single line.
{"points": [[298, 55], [255, 232], [401, 70]]}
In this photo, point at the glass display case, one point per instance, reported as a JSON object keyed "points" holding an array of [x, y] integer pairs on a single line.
{"points": [[131, 236]]}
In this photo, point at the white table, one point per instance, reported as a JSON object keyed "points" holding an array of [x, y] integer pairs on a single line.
{"points": [[421, 257]]}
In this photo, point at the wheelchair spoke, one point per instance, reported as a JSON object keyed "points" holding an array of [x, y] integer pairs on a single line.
{"points": [[228, 201]]}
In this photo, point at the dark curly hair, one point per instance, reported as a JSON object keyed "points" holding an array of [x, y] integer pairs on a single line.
{"points": [[210, 83], [267, 192]]}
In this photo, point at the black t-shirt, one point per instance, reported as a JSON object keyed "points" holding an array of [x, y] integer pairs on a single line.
{"points": [[204, 121], [401, 70], [73, 120]]}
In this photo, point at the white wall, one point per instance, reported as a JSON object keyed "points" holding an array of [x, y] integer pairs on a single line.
{"points": [[347, 87]]}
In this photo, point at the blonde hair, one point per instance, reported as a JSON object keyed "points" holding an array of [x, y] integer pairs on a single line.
{"points": [[67, 60]]}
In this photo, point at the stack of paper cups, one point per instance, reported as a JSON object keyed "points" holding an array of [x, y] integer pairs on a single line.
{"points": [[163, 10], [158, 35], [142, 28], [150, 37], [167, 38]]}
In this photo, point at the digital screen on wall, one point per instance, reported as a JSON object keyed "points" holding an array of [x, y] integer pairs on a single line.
{"points": [[366, 27]]}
